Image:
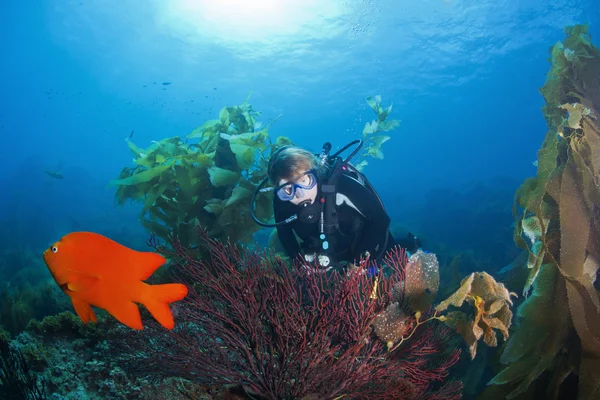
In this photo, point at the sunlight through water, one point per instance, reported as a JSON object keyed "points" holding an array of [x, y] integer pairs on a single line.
{"points": [[232, 22]]}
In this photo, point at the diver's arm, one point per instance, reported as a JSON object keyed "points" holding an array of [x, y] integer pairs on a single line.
{"points": [[288, 241], [285, 232], [377, 221]]}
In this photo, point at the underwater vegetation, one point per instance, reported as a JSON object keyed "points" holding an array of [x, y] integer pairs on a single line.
{"points": [[280, 331], [17, 382], [25, 292], [74, 360], [205, 180], [20, 304], [372, 139], [555, 349], [208, 178]]}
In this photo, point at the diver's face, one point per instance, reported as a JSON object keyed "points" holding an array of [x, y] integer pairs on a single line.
{"points": [[306, 189]]}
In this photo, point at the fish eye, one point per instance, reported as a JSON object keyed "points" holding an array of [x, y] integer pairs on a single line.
{"points": [[54, 249]]}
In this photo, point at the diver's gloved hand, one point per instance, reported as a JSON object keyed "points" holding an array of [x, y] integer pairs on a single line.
{"points": [[410, 243], [317, 263]]}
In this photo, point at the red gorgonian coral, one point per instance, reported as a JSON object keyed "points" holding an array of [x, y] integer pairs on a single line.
{"points": [[284, 332]]}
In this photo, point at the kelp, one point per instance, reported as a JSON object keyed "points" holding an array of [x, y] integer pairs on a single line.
{"points": [[206, 178], [491, 301], [372, 135], [558, 333], [490, 312]]}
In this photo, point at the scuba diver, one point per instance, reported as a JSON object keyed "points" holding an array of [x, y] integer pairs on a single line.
{"points": [[330, 206]]}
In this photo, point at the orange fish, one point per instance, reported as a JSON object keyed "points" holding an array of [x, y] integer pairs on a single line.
{"points": [[97, 271]]}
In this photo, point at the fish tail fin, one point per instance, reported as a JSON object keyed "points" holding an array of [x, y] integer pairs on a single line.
{"points": [[158, 298]]}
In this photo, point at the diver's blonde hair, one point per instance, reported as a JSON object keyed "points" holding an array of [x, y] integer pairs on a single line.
{"points": [[286, 162]]}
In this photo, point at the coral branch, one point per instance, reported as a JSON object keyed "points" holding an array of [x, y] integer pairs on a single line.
{"points": [[284, 332]]}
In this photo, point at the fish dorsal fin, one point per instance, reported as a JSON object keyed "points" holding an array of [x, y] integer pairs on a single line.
{"points": [[145, 263], [116, 256]]}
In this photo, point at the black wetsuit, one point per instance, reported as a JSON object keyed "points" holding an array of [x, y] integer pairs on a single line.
{"points": [[363, 225]]}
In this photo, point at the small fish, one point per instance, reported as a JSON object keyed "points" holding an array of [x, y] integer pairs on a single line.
{"points": [[55, 174], [166, 83], [97, 271], [131, 134]]}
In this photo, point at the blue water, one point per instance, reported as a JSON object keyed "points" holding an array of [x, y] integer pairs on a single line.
{"points": [[78, 76]]}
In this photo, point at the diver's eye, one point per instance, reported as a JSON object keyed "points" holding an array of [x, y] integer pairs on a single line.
{"points": [[54, 249], [288, 189], [310, 179]]}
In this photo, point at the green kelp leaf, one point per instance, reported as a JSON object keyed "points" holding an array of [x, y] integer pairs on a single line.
{"points": [[283, 141], [379, 140], [361, 165], [538, 316], [370, 128], [165, 182], [224, 116], [171, 146], [151, 160], [143, 157], [125, 193], [531, 193], [578, 36], [164, 211], [209, 127], [516, 370], [240, 194], [214, 206], [375, 151], [183, 177], [532, 228], [458, 297], [222, 177], [142, 177], [263, 207], [238, 118], [137, 151], [252, 139], [156, 228], [383, 113], [576, 112], [145, 161], [199, 160], [166, 149], [261, 136], [244, 155], [242, 138], [389, 125], [209, 143], [534, 263], [374, 102]]}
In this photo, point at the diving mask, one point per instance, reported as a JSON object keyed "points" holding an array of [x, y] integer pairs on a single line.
{"points": [[288, 190]]}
